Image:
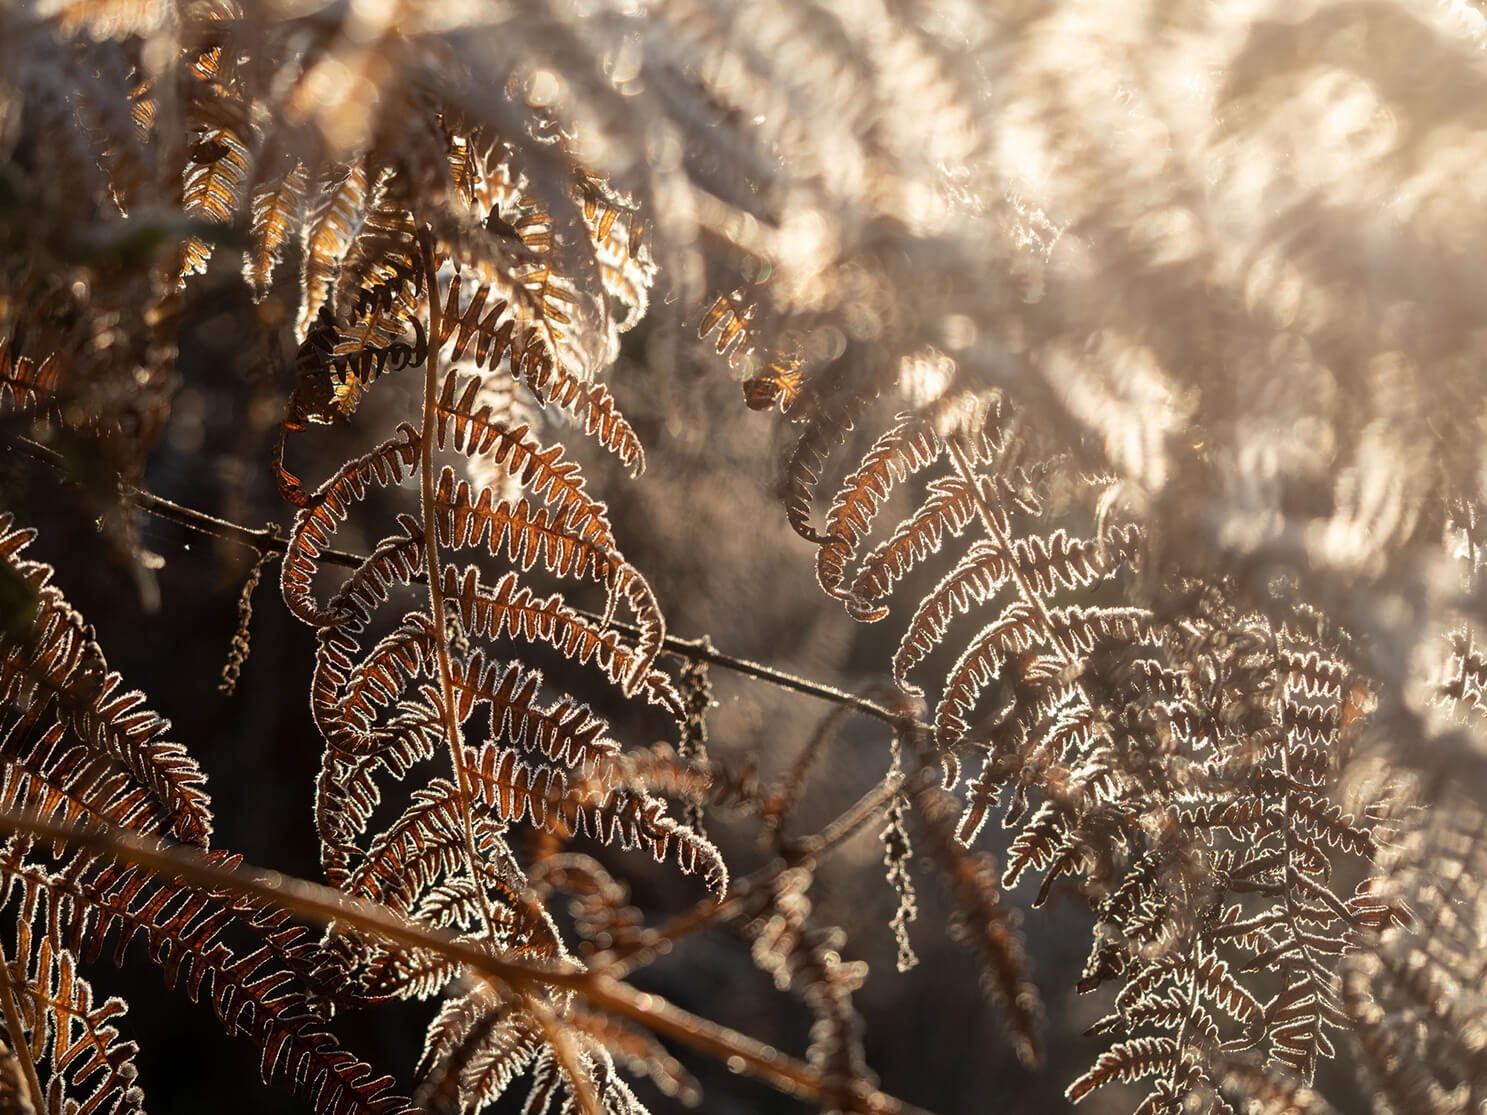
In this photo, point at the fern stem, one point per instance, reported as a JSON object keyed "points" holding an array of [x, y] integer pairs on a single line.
{"points": [[1186, 1029], [560, 1038], [18, 1042], [1288, 843], [557, 1037], [323, 905], [999, 536], [436, 584], [699, 651]]}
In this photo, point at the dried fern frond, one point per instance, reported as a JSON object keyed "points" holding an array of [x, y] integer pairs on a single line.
{"points": [[92, 905], [79, 1040], [84, 747]]}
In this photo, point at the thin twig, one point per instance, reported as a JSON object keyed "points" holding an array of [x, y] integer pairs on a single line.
{"points": [[323, 906], [435, 581], [268, 541], [699, 652]]}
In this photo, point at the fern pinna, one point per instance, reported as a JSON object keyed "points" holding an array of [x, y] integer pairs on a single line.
{"points": [[1181, 767]]}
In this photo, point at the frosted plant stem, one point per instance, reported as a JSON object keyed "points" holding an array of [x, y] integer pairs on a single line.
{"points": [[999, 536], [436, 589], [324, 905]]}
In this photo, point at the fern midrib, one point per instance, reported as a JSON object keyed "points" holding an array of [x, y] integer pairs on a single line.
{"points": [[429, 511], [1315, 971], [563, 1050], [988, 520]]}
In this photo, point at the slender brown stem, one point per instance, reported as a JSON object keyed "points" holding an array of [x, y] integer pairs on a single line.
{"points": [[436, 589], [560, 1038], [323, 905], [18, 1041], [268, 540], [699, 651]]}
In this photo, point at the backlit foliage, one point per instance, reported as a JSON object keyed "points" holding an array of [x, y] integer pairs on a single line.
{"points": [[1132, 363]]}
